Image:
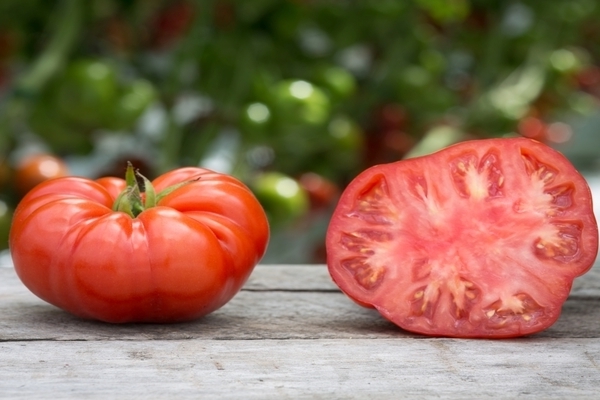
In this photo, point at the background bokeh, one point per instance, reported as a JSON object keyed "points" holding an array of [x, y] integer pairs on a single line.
{"points": [[293, 97]]}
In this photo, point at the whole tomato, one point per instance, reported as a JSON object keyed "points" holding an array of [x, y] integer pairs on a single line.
{"points": [[104, 250], [339, 82], [133, 100], [171, 23], [283, 198], [322, 192], [481, 239], [37, 168], [87, 92], [300, 102]]}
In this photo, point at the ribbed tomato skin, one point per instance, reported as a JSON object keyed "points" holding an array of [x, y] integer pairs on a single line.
{"points": [[177, 261]]}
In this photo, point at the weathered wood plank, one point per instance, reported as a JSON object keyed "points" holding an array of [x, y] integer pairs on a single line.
{"points": [[277, 314], [589, 283], [289, 333], [316, 278], [359, 368], [291, 278]]}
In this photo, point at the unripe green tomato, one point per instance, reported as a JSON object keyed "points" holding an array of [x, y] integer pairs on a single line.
{"points": [[87, 92], [255, 121], [337, 80], [568, 61], [282, 197], [132, 102], [346, 133], [300, 102]]}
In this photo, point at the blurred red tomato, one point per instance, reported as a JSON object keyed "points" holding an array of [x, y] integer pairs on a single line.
{"points": [[322, 192], [533, 128], [37, 168], [172, 23]]}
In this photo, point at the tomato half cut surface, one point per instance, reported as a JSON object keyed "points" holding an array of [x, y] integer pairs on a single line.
{"points": [[481, 239]]}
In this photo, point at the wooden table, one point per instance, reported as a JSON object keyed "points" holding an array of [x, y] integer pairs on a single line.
{"points": [[289, 333]]}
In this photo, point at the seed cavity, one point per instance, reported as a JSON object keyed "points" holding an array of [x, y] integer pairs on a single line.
{"points": [[562, 197], [424, 300], [478, 178], [365, 274], [545, 197], [520, 307], [364, 241], [560, 240], [424, 194], [373, 204], [464, 295], [537, 170]]}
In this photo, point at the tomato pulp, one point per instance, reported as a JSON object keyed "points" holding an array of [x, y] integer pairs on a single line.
{"points": [[481, 239]]}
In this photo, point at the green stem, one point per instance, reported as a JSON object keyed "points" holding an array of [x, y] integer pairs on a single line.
{"points": [[130, 201], [123, 204], [150, 200], [130, 179], [167, 191]]}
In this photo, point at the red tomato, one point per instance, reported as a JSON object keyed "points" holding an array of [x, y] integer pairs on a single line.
{"points": [[172, 23], [481, 239], [322, 192], [179, 260], [38, 168], [533, 128]]}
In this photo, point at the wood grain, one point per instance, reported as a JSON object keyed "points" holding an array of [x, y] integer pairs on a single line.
{"points": [[325, 368], [267, 309], [290, 333]]}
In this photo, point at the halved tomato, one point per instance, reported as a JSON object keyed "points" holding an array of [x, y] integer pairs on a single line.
{"points": [[481, 239]]}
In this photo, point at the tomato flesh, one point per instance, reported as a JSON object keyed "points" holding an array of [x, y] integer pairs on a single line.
{"points": [[482, 239]]}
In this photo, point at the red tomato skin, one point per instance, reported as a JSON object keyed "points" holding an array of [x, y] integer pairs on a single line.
{"points": [[353, 255], [178, 261], [114, 186]]}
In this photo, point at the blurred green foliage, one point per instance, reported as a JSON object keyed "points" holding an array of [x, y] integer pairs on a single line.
{"points": [[281, 88]]}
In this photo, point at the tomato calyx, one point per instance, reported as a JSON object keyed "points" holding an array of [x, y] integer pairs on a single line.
{"points": [[133, 201]]}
